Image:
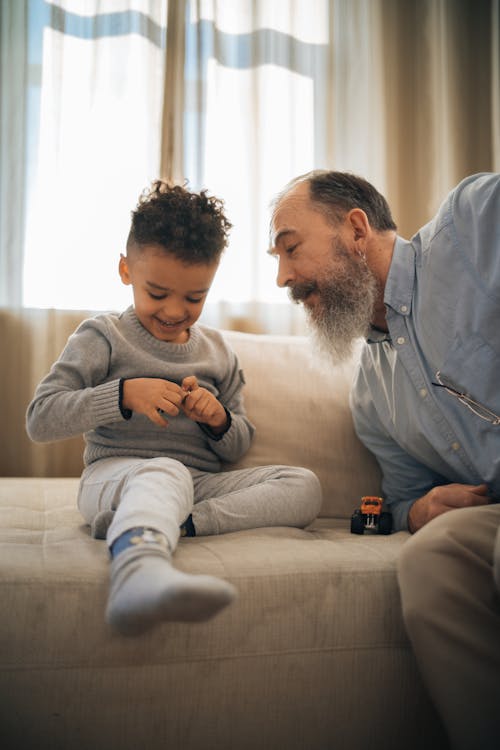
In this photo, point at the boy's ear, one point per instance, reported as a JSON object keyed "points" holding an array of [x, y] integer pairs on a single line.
{"points": [[124, 271]]}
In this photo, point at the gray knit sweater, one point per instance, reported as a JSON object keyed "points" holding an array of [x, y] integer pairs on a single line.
{"points": [[81, 393]]}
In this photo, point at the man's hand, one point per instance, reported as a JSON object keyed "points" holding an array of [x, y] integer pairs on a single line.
{"points": [[148, 395], [443, 498], [201, 406]]}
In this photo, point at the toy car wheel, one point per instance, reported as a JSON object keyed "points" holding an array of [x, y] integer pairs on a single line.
{"points": [[357, 523], [385, 523]]}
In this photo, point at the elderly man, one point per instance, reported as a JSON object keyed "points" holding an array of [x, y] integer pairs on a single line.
{"points": [[425, 401]]}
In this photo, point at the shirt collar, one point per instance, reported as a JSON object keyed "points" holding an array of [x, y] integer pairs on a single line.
{"points": [[401, 278], [398, 291]]}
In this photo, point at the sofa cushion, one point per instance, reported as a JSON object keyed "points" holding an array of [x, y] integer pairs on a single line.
{"points": [[316, 627], [57, 575], [54, 573], [303, 417]]}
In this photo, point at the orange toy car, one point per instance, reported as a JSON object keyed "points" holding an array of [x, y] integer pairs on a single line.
{"points": [[370, 518]]}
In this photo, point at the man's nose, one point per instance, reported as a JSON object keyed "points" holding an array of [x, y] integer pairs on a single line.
{"points": [[285, 273]]}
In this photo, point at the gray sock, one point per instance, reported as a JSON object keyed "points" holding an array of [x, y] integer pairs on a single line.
{"points": [[145, 590]]}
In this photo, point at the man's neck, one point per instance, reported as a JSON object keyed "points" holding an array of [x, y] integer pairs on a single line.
{"points": [[379, 257]]}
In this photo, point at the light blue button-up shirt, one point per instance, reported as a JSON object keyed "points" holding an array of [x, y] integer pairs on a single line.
{"points": [[442, 300]]}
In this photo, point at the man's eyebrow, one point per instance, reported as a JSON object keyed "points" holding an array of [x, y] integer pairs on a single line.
{"points": [[283, 233], [166, 289]]}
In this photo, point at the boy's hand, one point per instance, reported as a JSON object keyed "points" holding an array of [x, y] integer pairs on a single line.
{"points": [[148, 395], [201, 406]]}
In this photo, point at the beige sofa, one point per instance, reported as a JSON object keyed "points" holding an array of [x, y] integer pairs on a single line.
{"points": [[313, 654]]}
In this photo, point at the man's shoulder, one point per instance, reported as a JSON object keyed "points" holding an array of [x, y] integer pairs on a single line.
{"points": [[476, 185], [476, 200], [466, 226]]}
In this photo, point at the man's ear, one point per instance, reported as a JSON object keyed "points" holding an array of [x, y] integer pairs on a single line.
{"points": [[124, 271], [359, 224]]}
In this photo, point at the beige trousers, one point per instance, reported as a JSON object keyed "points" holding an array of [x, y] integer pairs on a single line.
{"points": [[451, 606]]}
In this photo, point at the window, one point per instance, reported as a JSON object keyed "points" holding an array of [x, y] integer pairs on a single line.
{"points": [[100, 97], [251, 105]]}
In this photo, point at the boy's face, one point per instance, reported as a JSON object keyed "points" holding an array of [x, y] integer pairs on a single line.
{"points": [[168, 294]]}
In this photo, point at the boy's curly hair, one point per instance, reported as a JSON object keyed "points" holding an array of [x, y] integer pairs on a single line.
{"points": [[190, 226]]}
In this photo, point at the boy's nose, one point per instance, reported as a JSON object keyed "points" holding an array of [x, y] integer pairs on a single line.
{"points": [[173, 310]]}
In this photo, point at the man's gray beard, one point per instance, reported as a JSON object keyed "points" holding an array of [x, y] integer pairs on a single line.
{"points": [[344, 310]]}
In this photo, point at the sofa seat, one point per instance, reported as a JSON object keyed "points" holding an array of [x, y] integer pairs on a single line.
{"points": [[312, 654]]}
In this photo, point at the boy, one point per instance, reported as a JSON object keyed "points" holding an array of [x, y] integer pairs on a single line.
{"points": [[159, 399]]}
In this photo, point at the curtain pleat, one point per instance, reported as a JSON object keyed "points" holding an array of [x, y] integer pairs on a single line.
{"points": [[31, 341], [13, 96], [172, 136]]}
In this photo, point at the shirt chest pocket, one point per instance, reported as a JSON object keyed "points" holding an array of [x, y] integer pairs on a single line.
{"points": [[471, 374]]}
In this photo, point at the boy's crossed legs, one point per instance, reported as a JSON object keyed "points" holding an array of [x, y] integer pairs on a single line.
{"points": [[253, 498], [139, 505]]}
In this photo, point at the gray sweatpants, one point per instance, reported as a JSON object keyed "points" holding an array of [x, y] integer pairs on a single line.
{"points": [[117, 494]]}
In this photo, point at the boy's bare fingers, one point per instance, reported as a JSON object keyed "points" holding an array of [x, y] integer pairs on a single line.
{"points": [[173, 393], [190, 383], [157, 418], [193, 399], [168, 407]]}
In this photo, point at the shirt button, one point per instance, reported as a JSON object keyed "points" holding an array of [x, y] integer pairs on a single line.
{"points": [[423, 392], [401, 340], [404, 308], [455, 446]]}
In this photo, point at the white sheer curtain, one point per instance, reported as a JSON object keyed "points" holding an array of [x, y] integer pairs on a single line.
{"points": [[274, 90], [99, 145], [404, 93]]}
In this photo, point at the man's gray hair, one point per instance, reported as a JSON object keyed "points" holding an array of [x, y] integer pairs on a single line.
{"points": [[336, 193]]}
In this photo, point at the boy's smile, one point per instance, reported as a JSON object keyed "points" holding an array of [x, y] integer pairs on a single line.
{"points": [[168, 294]]}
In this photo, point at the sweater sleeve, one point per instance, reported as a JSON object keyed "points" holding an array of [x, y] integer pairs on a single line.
{"points": [[235, 442], [76, 396]]}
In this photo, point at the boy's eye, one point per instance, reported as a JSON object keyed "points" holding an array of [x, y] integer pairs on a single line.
{"points": [[194, 301], [289, 250], [157, 296]]}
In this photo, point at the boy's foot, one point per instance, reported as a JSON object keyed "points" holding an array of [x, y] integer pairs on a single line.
{"points": [[145, 590]]}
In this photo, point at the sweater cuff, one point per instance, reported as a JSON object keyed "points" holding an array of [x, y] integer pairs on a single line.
{"points": [[216, 436], [126, 413], [105, 404]]}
